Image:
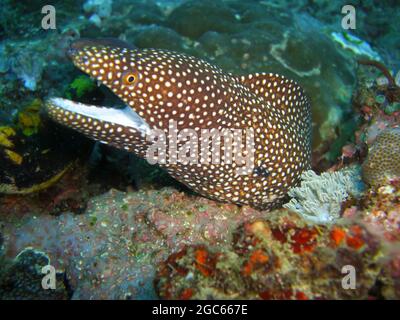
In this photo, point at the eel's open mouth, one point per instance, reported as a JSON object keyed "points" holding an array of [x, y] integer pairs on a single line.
{"points": [[75, 114], [119, 127]]}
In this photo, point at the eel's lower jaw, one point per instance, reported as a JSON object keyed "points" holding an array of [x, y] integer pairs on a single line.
{"points": [[95, 121]]}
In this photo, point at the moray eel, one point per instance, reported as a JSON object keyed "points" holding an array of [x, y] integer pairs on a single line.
{"points": [[161, 87]]}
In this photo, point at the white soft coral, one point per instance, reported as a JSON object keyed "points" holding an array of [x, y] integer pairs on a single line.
{"points": [[319, 197]]}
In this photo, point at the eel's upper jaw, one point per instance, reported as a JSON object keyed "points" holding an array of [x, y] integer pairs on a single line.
{"points": [[84, 117]]}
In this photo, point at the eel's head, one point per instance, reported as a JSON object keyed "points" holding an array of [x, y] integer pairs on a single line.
{"points": [[156, 86], [112, 63], [109, 62]]}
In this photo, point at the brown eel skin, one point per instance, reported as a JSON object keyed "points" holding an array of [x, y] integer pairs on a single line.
{"points": [[174, 93]]}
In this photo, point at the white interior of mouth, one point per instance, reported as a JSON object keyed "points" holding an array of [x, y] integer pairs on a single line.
{"points": [[125, 117]]}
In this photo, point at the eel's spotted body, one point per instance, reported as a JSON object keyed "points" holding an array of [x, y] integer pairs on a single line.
{"points": [[158, 86]]}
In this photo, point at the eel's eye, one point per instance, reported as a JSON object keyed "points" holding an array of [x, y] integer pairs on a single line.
{"points": [[129, 78]]}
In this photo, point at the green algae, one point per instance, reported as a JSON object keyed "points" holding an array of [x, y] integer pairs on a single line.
{"points": [[79, 87]]}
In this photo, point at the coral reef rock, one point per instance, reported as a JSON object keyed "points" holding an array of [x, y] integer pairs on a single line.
{"points": [[279, 258], [383, 161], [111, 251], [21, 278]]}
